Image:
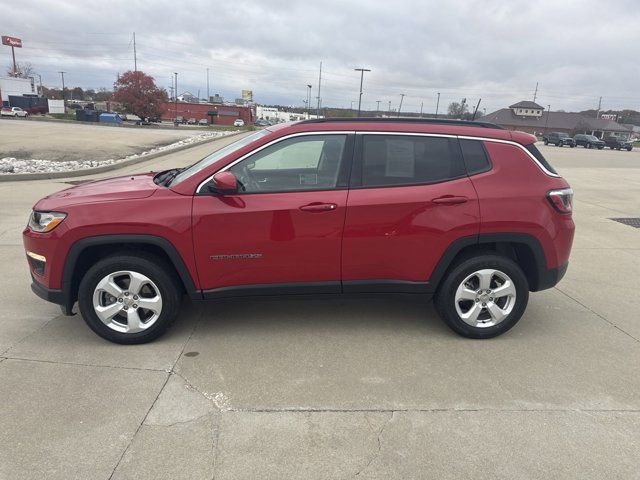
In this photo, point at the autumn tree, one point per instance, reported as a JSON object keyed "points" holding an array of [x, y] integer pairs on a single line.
{"points": [[138, 94]]}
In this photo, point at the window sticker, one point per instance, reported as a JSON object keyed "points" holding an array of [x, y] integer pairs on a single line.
{"points": [[400, 158]]}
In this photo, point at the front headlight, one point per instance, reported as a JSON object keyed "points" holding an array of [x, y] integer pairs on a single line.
{"points": [[43, 222]]}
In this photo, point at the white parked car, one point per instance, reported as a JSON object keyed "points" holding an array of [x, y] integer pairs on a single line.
{"points": [[238, 123], [13, 112]]}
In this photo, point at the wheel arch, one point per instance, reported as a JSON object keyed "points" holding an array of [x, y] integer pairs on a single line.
{"points": [[523, 248], [84, 252]]}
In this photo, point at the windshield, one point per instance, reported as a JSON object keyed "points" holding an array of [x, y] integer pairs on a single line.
{"points": [[217, 155], [563, 135], [591, 137]]}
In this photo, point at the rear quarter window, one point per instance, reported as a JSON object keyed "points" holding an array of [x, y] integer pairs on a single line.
{"points": [[533, 150], [475, 156]]}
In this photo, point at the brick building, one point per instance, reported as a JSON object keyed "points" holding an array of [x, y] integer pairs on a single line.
{"points": [[225, 114]]}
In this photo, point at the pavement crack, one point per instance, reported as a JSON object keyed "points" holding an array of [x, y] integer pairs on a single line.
{"points": [[597, 314], [135, 434], [379, 442], [175, 424]]}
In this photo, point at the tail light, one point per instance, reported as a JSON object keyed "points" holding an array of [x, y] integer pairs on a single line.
{"points": [[561, 200]]}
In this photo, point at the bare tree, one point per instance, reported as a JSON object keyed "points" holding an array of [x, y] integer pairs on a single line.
{"points": [[23, 70]]}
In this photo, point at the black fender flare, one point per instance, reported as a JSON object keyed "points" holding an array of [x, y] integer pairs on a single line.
{"points": [[79, 246], [544, 276]]}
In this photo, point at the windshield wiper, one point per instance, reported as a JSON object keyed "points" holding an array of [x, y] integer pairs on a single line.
{"points": [[165, 178]]}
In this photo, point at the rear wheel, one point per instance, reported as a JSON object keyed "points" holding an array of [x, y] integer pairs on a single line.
{"points": [[559, 144], [483, 297], [546, 142], [129, 299]]}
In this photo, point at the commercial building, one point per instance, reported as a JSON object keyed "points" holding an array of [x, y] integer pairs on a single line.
{"points": [[14, 86], [221, 114], [530, 117]]}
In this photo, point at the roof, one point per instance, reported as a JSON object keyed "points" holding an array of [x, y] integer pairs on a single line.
{"points": [[526, 104], [438, 121], [556, 120]]}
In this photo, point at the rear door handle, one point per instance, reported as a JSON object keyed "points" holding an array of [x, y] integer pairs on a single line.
{"points": [[319, 207], [449, 200]]}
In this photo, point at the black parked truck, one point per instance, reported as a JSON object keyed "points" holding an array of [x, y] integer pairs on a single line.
{"points": [[588, 141], [615, 143], [558, 139]]}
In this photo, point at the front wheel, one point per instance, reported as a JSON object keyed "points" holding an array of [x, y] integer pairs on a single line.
{"points": [[483, 297], [546, 142], [129, 298], [572, 145]]}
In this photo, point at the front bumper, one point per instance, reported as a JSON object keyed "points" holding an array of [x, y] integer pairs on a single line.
{"points": [[52, 295]]}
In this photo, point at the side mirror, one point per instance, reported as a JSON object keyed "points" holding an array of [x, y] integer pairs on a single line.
{"points": [[224, 183]]}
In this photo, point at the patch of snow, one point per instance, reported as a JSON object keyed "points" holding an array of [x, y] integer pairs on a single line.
{"points": [[12, 165]]}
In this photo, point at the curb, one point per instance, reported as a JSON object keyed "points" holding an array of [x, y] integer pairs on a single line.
{"points": [[11, 177]]}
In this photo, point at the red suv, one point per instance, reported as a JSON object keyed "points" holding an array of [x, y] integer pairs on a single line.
{"points": [[463, 211]]}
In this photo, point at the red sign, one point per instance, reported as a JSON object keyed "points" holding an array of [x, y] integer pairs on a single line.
{"points": [[11, 41]]}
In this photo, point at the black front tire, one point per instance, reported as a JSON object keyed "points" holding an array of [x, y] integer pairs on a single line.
{"points": [[445, 301], [157, 270]]}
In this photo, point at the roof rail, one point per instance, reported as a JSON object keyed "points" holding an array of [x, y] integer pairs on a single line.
{"points": [[436, 121]]}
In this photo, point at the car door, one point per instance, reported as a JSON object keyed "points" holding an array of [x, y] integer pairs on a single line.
{"points": [[282, 231], [410, 199]]}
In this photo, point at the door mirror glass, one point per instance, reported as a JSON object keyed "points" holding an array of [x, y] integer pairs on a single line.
{"points": [[224, 183]]}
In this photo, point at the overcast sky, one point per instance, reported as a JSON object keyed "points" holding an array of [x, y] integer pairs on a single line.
{"points": [[494, 50]]}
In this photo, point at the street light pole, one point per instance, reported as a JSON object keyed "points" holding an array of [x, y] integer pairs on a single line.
{"points": [[361, 70], [175, 119], [377, 106], [400, 107], [546, 121], [308, 100], [438, 105]]}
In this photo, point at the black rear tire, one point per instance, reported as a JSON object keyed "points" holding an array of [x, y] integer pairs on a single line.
{"points": [[155, 269], [445, 301]]}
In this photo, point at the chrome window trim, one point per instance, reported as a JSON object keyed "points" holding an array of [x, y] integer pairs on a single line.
{"points": [[467, 137], [272, 142]]}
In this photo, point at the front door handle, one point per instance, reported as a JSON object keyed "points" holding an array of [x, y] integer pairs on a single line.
{"points": [[319, 207], [449, 200]]}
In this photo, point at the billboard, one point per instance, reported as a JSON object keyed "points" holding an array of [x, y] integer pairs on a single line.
{"points": [[11, 41], [247, 95]]}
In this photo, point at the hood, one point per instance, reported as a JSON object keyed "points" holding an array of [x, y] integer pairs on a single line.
{"points": [[119, 188]]}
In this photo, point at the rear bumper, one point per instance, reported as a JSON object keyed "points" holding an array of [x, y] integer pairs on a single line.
{"points": [[550, 277], [52, 295]]}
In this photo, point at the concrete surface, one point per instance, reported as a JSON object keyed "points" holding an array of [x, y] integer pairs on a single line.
{"points": [[339, 387], [25, 139]]}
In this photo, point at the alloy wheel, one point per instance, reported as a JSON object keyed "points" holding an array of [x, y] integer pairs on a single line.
{"points": [[485, 298], [127, 302]]}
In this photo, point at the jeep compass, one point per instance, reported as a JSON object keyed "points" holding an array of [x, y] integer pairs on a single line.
{"points": [[465, 212]]}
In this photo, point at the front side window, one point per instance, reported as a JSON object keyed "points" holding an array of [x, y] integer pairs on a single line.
{"points": [[310, 162], [409, 160]]}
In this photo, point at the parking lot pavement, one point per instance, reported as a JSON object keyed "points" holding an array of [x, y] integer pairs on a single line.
{"points": [[50, 140], [339, 387]]}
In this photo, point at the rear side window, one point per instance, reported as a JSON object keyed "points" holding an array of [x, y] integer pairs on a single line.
{"points": [[475, 156], [533, 150], [389, 160]]}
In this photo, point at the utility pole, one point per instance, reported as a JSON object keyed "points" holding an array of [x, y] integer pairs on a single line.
{"points": [[437, 104], [400, 107], [176, 90], [599, 107], [319, 84], [421, 106], [361, 70], [135, 56], [207, 84], [64, 97], [535, 94]]}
